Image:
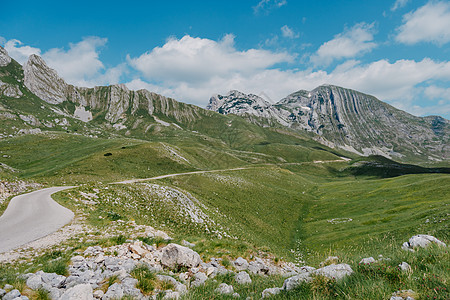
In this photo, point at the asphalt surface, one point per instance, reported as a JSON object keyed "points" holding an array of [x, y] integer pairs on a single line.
{"points": [[32, 216]]}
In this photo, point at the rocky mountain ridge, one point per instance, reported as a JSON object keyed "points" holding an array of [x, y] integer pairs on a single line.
{"points": [[346, 119]]}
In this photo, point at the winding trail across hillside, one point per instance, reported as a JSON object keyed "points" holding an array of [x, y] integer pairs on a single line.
{"points": [[35, 215], [32, 216]]}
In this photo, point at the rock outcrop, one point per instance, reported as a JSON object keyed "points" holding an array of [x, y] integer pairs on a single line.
{"points": [[5, 59], [345, 119], [112, 102], [421, 241]]}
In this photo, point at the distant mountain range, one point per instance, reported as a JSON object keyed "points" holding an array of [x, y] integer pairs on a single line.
{"points": [[346, 119], [334, 116]]}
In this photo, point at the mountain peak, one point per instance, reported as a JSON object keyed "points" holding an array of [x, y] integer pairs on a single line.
{"points": [[43, 80], [5, 59]]}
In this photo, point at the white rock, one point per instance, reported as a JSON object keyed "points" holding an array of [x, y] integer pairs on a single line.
{"points": [[34, 282], [335, 271], [241, 264], [405, 267], [115, 291], [11, 295], [294, 281], [243, 278], [271, 292], [78, 292], [421, 240], [174, 256], [224, 289], [5, 59], [199, 279], [98, 294], [367, 260]]}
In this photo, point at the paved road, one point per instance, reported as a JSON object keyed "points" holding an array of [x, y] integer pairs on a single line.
{"points": [[35, 215], [30, 217]]}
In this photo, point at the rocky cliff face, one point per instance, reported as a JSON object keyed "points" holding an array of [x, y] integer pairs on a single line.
{"points": [[346, 119], [114, 101]]}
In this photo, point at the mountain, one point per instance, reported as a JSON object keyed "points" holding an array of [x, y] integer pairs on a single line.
{"points": [[346, 119]]}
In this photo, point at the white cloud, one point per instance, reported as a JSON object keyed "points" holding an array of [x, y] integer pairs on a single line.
{"points": [[288, 32], [429, 23], [79, 65], [399, 4], [436, 92], [19, 52], [268, 5], [350, 43], [191, 70], [194, 60]]}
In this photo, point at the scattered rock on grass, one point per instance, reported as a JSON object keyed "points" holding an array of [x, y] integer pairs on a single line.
{"points": [[422, 241], [243, 278], [224, 289], [175, 256], [271, 292]]}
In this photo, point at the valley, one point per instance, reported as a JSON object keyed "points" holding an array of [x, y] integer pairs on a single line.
{"points": [[234, 184]]}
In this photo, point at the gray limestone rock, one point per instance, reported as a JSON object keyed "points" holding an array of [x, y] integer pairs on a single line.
{"points": [[271, 292], [367, 260], [241, 264], [199, 279], [11, 295], [243, 278], [405, 267], [78, 292], [294, 281], [34, 282], [422, 241], [335, 271], [224, 289], [115, 291], [5, 59], [174, 256]]}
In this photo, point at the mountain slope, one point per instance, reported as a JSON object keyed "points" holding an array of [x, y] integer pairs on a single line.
{"points": [[347, 119]]}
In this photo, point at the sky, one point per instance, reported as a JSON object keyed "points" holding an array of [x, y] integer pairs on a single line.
{"points": [[396, 50]]}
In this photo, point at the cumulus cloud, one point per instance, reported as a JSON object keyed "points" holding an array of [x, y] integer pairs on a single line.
{"points": [[195, 60], [399, 4], [288, 32], [436, 92], [79, 64], [177, 69], [268, 5], [20, 52], [350, 43], [429, 23]]}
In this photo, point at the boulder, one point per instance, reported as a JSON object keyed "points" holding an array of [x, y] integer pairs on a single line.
{"points": [[11, 295], [294, 281], [243, 278], [335, 271], [224, 289], [422, 241], [2, 293], [405, 267], [271, 292], [115, 291], [367, 260], [78, 292], [174, 256], [241, 264], [34, 282], [199, 279]]}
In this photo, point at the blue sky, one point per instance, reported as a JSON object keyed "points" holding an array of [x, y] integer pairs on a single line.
{"points": [[397, 50]]}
